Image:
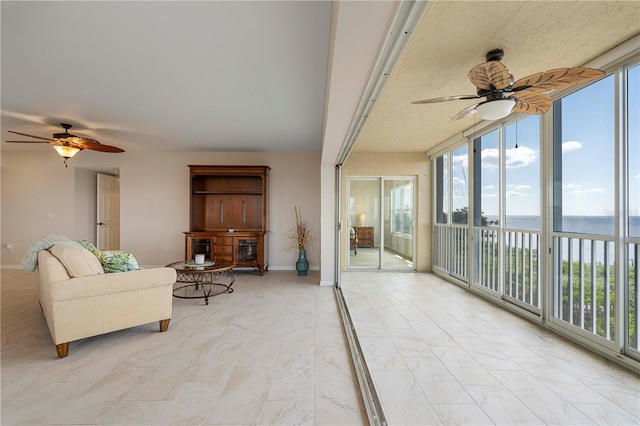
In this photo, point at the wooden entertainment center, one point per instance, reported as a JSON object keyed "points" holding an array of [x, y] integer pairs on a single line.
{"points": [[228, 215]]}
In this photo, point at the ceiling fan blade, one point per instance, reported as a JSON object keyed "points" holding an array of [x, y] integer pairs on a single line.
{"points": [[531, 102], [445, 99], [104, 148], [92, 144], [28, 141], [29, 136], [559, 78], [470, 110], [489, 74]]}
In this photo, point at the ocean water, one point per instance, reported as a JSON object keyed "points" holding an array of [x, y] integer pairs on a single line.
{"points": [[597, 225], [591, 225]]}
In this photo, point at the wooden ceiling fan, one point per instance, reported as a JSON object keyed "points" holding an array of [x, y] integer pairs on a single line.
{"points": [[494, 82], [68, 145]]}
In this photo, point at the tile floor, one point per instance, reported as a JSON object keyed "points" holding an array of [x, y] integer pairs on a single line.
{"points": [[370, 258], [272, 352], [441, 355]]}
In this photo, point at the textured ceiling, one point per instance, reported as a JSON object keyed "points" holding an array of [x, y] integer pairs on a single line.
{"points": [[455, 36], [252, 76]]}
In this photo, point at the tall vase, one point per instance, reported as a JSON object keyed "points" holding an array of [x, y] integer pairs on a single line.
{"points": [[302, 265]]}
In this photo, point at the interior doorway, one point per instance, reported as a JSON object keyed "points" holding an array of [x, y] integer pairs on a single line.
{"points": [[86, 202], [108, 212], [381, 224]]}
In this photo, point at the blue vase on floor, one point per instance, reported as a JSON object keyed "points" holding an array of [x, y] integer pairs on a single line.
{"points": [[302, 265]]}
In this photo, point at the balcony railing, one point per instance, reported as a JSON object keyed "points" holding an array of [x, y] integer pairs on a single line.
{"points": [[450, 249], [584, 283], [584, 276], [521, 266], [632, 299], [459, 243], [441, 247], [486, 244]]}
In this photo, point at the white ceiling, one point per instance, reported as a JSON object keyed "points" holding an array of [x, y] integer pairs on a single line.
{"points": [[225, 76], [252, 76]]}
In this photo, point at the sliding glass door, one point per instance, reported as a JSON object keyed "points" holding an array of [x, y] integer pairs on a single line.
{"points": [[381, 222], [632, 239], [364, 223]]}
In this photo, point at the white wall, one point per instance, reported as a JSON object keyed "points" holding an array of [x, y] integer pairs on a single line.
{"points": [[85, 204], [154, 200]]}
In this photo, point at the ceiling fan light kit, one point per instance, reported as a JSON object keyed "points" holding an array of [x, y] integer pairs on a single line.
{"points": [[504, 95], [66, 151], [495, 110], [68, 145]]}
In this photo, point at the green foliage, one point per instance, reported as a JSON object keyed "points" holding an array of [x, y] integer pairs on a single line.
{"points": [[461, 216], [598, 295], [521, 275]]}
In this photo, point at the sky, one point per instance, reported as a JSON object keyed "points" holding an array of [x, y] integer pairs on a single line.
{"points": [[588, 157]]}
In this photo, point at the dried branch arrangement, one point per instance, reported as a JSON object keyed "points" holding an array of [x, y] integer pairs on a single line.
{"points": [[300, 235]]}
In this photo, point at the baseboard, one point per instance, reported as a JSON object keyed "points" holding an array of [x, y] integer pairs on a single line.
{"points": [[11, 267], [291, 268]]}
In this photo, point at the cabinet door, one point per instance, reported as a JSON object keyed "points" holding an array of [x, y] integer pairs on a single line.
{"points": [[221, 212], [245, 212], [199, 245], [247, 250]]}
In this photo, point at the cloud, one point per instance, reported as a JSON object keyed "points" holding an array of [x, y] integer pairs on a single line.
{"points": [[637, 176], [523, 187], [489, 195], [489, 158], [458, 180], [520, 157], [461, 159], [574, 188], [571, 146], [516, 194], [488, 187], [514, 157]]}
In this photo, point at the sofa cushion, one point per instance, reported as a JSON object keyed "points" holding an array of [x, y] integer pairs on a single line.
{"points": [[30, 259], [119, 261], [78, 261], [113, 261]]}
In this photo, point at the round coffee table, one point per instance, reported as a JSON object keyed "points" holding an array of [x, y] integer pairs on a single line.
{"points": [[199, 279]]}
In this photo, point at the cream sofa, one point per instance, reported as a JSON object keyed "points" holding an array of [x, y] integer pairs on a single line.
{"points": [[79, 300]]}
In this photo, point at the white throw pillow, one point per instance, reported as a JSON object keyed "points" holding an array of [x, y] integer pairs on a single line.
{"points": [[78, 261]]}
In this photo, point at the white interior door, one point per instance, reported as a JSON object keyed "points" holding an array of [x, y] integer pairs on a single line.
{"points": [[108, 208]]}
